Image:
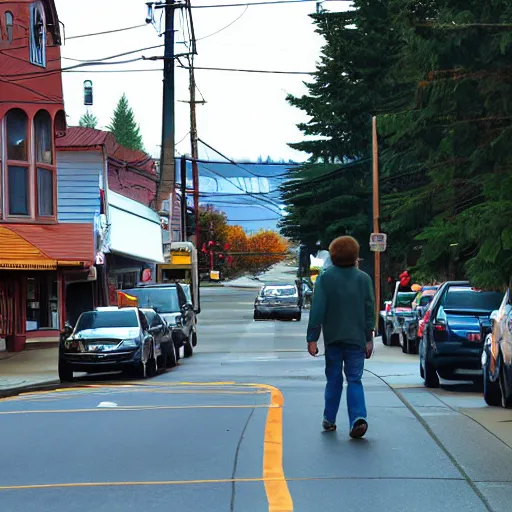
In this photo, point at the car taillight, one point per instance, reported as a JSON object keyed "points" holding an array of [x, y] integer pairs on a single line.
{"points": [[473, 336], [388, 308], [440, 327]]}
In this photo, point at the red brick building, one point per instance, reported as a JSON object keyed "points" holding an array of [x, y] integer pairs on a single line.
{"points": [[36, 251]]}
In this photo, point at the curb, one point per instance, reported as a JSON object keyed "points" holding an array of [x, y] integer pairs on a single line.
{"points": [[43, 386]]}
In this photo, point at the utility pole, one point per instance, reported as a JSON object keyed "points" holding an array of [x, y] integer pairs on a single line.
{"points": [[183, 168], [376, 214], [194, 150], [167, 164]]}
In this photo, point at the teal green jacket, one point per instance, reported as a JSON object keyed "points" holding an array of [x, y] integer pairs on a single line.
{"points": [[343, 307]]}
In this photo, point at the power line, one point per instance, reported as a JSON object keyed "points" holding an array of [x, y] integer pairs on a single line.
{"points": [[106, 32], [224, 28], [269, 2], [116, 56], [264, 71]]}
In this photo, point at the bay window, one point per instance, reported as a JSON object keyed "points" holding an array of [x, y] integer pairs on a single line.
{"points": [[18, 169], [43, 136], [29, 171]]}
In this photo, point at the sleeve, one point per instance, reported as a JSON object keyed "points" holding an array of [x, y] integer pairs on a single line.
{"points": [[369, 304], [316, 317]]}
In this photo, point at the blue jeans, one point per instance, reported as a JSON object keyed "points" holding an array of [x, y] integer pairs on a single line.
{"points": [[352, 357]]}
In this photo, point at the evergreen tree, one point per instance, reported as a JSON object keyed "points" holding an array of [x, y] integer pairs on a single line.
{"points": [[447, 172], [88, 120], [124, 127]]}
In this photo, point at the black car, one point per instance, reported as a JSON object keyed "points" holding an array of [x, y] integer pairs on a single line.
{"points": [[452, 344], [278, 301], [109, 339], [172, 302], [162, 334]]}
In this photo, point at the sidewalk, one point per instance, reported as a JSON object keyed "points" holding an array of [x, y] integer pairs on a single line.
{"points": [[32, 367]]}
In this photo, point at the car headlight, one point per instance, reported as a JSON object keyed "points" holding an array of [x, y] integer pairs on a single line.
{"points": [[129, 343]]}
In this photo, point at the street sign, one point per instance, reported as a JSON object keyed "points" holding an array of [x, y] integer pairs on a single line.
{"points": [[378, 242]]}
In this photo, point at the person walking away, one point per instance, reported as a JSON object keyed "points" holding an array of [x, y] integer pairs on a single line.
{"points": [[344, 309]]}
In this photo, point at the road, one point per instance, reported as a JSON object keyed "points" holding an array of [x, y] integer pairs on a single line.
{"points": [[238, 428]]}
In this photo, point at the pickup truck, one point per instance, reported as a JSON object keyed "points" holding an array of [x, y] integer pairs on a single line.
{"points": [[393, 319]]}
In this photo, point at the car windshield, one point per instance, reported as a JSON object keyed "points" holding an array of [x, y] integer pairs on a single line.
{"points": [[282, 291], [469, 298], [162, 300], [404, 299], [425, 300], [105, 319]]}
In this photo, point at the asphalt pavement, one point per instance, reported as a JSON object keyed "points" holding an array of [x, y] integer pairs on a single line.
{"points": [[237, 427]]}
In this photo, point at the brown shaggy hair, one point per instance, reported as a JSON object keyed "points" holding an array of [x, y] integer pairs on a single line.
{"points": [[344, 251]]}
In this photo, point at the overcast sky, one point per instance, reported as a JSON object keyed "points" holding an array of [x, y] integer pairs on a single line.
{"points": [[246, 114]]}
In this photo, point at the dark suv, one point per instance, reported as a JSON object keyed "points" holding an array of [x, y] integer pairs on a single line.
{"points": [[451, 343], [173, 303]]}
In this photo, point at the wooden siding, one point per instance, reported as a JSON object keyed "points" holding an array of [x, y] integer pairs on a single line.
{"points": [[78, 178]]}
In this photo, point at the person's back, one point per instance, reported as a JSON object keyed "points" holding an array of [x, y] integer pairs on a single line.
{"points": [[348, 295], [344, 308]]}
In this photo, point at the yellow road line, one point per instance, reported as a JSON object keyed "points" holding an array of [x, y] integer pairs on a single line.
{"points": [[139, 408], [276, 487]]}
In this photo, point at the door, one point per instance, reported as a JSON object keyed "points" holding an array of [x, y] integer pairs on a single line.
{"points": [[187, 311]]}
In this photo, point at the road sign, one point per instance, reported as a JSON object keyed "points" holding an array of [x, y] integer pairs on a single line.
{"points": [[378, 242]]}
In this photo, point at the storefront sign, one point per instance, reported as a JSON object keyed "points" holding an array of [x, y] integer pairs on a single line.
{"points": [[4, 265]]}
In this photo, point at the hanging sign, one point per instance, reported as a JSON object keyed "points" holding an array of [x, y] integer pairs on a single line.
{"points": [[378, 242]]}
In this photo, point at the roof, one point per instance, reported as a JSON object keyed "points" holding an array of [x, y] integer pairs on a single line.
{"points": [[41, 246], [79, 138]]}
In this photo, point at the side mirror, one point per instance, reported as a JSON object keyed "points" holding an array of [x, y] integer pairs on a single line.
{"points": [[494, 316]]}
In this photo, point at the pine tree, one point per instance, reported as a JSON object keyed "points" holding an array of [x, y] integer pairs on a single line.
{"points": [[124, 127], [448, 167], [88, 120]]}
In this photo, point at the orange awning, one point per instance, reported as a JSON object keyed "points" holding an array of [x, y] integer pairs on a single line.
{"points": [[45, 247]]}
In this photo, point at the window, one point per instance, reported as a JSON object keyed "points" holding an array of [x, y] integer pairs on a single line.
{"points": [[17, 135], [42, 302], [45, 192], [9, 23], [37, 35], [43, 137], [18, 190]]}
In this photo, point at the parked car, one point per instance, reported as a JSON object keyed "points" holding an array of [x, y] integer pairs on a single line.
{"points": [[451, 344], [497, 355], [173, 303], [278, 301], [162, 334], [392, 319], [109, 339], [410, 339]]}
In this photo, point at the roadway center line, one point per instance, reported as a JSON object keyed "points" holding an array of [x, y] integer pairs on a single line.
{"points": [[140, 408]]}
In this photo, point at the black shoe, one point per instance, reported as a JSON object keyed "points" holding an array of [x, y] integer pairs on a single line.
{"points": [[328, 426], [359, 429]]}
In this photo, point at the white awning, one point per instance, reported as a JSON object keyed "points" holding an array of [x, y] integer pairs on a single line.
{"points": [[135, 230]]}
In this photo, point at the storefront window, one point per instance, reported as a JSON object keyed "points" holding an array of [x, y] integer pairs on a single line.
{"points": [[42, 302]]}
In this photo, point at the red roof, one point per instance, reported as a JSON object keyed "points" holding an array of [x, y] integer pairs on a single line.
{"points": [[89, 138], [63, 242]]}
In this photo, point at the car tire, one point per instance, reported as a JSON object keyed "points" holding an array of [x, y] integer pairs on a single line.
{"points": [[188, 349], [430, 377], [394, 340], [298, 317], [386, 336], [405, 344], [170, 356], [194, 339], [492, 390], [152, 365], [256, 316], [506, 394], [65, 372]]}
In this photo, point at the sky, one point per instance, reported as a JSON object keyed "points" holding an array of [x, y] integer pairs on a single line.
{"points": [[245, 115]]}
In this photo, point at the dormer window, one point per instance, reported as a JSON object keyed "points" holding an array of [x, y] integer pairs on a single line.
{"points": [[37, 35]]}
